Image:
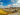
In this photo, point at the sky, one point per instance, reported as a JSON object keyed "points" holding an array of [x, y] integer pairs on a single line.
{"points": [[18, 3], [4, 3], [7, 2]]}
